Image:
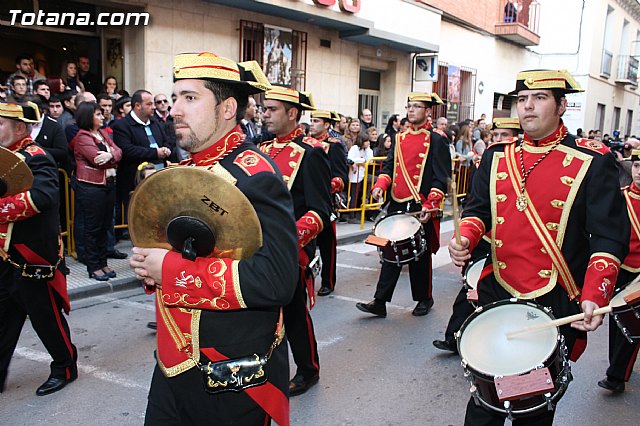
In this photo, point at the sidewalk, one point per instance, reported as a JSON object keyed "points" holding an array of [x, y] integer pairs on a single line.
{"points": [[80, 285]]}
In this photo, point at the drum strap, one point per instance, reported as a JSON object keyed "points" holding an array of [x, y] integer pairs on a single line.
{"points": [[565, 279], [403, 168], [632, 214]]}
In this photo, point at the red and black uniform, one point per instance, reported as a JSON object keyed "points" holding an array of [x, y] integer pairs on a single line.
{"points": [[30, 234], [565, 246], [416, 169], [305, 169], [219, 308], [327, 243], [622, 354]]}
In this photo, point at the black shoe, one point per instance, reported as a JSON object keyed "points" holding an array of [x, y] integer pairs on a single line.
{"points": [[101, 277], [299, 385], [325, 291], [375, 308], [446, 345], [117, 255], [110, 274], [422, 308], [612, 385], [53, 384], [152, 325]]}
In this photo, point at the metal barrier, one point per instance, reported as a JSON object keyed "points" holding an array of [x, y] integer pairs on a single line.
{"points": [[367, 202]]}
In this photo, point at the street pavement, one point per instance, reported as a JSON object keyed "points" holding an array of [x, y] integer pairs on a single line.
{"points": [[374, 371]]}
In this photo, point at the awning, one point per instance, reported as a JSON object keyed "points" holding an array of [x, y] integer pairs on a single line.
{"points": [[349, 27]]}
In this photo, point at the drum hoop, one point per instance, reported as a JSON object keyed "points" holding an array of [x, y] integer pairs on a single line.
{"points": [[493, 305], [619, 296], [481, 260], [412, 218]]}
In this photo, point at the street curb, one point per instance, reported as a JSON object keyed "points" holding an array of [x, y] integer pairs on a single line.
{"points": [[108, 287]]}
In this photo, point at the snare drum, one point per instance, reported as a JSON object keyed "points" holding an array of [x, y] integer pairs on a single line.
{"points": [[488, 356], [405, 235], [471, 278], [626, 316]]}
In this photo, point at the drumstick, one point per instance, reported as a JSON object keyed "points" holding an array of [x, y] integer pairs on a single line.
{"points": [[456, 215], [419, 212], [557, 322]]}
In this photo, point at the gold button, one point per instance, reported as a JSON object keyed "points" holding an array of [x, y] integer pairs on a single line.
{"points": [[422, 155], [552, 226], [498, 243], [567, 180], [542, 249], [544, 273], [558, 204], [502, 265], [501, 198], [499, 220], [567, 160], [501, 175], [3, 235], [530, 80]]}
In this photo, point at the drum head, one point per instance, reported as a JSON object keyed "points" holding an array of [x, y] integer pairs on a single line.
{"points": [[397, 227], [618, 300], [483, 342], [472, 274]]}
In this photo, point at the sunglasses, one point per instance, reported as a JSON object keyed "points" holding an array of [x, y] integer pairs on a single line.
{"points": [[162, 101]]}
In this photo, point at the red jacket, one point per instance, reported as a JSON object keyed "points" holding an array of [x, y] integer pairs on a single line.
{"points": [[85, 149]]}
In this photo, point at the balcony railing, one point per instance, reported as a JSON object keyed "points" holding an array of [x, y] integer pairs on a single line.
{"points": [[627, 70], [605, 67], [519, 21]]}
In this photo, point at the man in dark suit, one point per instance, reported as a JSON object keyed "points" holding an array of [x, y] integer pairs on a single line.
{"points": [[141, 139]]}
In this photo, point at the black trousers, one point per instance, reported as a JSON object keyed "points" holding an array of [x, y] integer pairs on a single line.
{"points": [[327, 243], [490, 291], [300, 334], [20, 297], [622, 354], [420, 275], [182, 401], [97, 203]]}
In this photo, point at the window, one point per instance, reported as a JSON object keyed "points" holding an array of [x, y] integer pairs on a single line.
{"points": [[457, 88], [600, 110], [252, 35], [607, 47], [467, 93], [615, 119], [629, 124]]}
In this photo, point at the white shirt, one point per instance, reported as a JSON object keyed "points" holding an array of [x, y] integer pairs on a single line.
{"points": [[359, 157]]}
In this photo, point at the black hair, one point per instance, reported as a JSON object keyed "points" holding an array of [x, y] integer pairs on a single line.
{"points": [[120, 103], [38, 83], [103, 96], [223, 91], [288, 106], [22, 57], [84, 115], [136, 98]]}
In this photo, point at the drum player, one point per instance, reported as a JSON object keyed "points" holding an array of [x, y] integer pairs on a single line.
{"points": [[622, 354], [415, 174], [557, 223], [503, 129]]}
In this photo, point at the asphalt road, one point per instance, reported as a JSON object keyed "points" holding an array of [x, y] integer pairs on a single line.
{"points": [[373, 371]]}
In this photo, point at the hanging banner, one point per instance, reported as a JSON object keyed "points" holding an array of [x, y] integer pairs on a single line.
{"points": [[278, 55]]}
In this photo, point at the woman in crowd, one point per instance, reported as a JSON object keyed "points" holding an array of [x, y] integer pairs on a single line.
{"points": [[56, 85], [383, 147], [96, 159], [464, 145], [393, 125], [70, 77], [110, 87], [352, 133]]}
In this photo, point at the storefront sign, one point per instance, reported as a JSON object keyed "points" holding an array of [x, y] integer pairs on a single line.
{"points": [[348, 6]]}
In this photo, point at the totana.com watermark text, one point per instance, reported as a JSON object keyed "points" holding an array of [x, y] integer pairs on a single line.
{"points": [[80, 19]]}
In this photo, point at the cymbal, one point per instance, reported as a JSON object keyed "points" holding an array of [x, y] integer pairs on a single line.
{"points": [[15, 175], [179, 202]]}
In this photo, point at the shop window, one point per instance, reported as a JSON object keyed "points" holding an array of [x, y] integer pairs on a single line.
{"points": [[281, 52]]}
